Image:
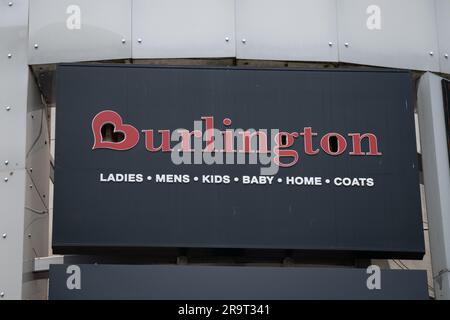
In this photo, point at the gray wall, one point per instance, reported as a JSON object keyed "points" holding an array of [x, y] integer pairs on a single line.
{"points": [[410, 34], [23, 132], [436, 178]]}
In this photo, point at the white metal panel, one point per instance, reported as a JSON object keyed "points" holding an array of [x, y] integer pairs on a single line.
{"points": [[43, 264], [38, 145], [19, 99], [12, 197], [183, 28], [443, 26], [13, 82], [36, 217], [36, 211], [287, 30], [388, 33], [82, 30], [13, 107], [436, 178], [12, 115], [35, 234]]}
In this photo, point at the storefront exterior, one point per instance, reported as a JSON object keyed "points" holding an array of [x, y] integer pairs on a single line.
{"points": [[224, 149]]}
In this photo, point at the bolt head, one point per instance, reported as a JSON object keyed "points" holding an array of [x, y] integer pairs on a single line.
{"points": [[139, 40], [36, 46], [6, 162], [2, 294], [446, 56], [9, 55], [431, 53], [123, 40], [227, 39], [330, 44], [4, 236], [10, 4], [346, 44], [6, 179], [8, 108], [244, 40]]}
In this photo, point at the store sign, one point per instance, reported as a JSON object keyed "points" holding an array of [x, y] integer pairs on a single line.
{"points": [[151, 157]]}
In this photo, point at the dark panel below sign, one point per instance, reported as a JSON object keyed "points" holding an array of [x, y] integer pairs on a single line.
{"points": [[231, 283], [383, 218]]}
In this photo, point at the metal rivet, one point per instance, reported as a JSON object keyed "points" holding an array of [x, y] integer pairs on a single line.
{"points": [[31, 169], [31, 186], [6, 162], [346, 44], [4, 236], [29, 235], [123, 41], [446, 56], [431, 53], [10, 4], [2, 294], [227, 39], [9, 55], [6, 179], [330, 44], [36, 46], [140, 40], [244, 40], [8, 108]]}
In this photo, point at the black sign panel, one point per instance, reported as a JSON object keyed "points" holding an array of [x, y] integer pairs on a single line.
{"points": [[341, 146], [71, 282]]}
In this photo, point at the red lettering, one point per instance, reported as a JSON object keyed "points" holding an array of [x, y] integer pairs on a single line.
{"points": [[281, 153], [357, 142], [131, 134], [165, 141], [308, 134], [341, 144]]}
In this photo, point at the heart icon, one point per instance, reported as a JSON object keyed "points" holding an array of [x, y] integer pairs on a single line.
{"points": [[130, 133], [108, 133]]}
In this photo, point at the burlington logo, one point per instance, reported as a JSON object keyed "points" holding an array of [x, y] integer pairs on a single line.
{"points": [[131, 134], [206, 144]]}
